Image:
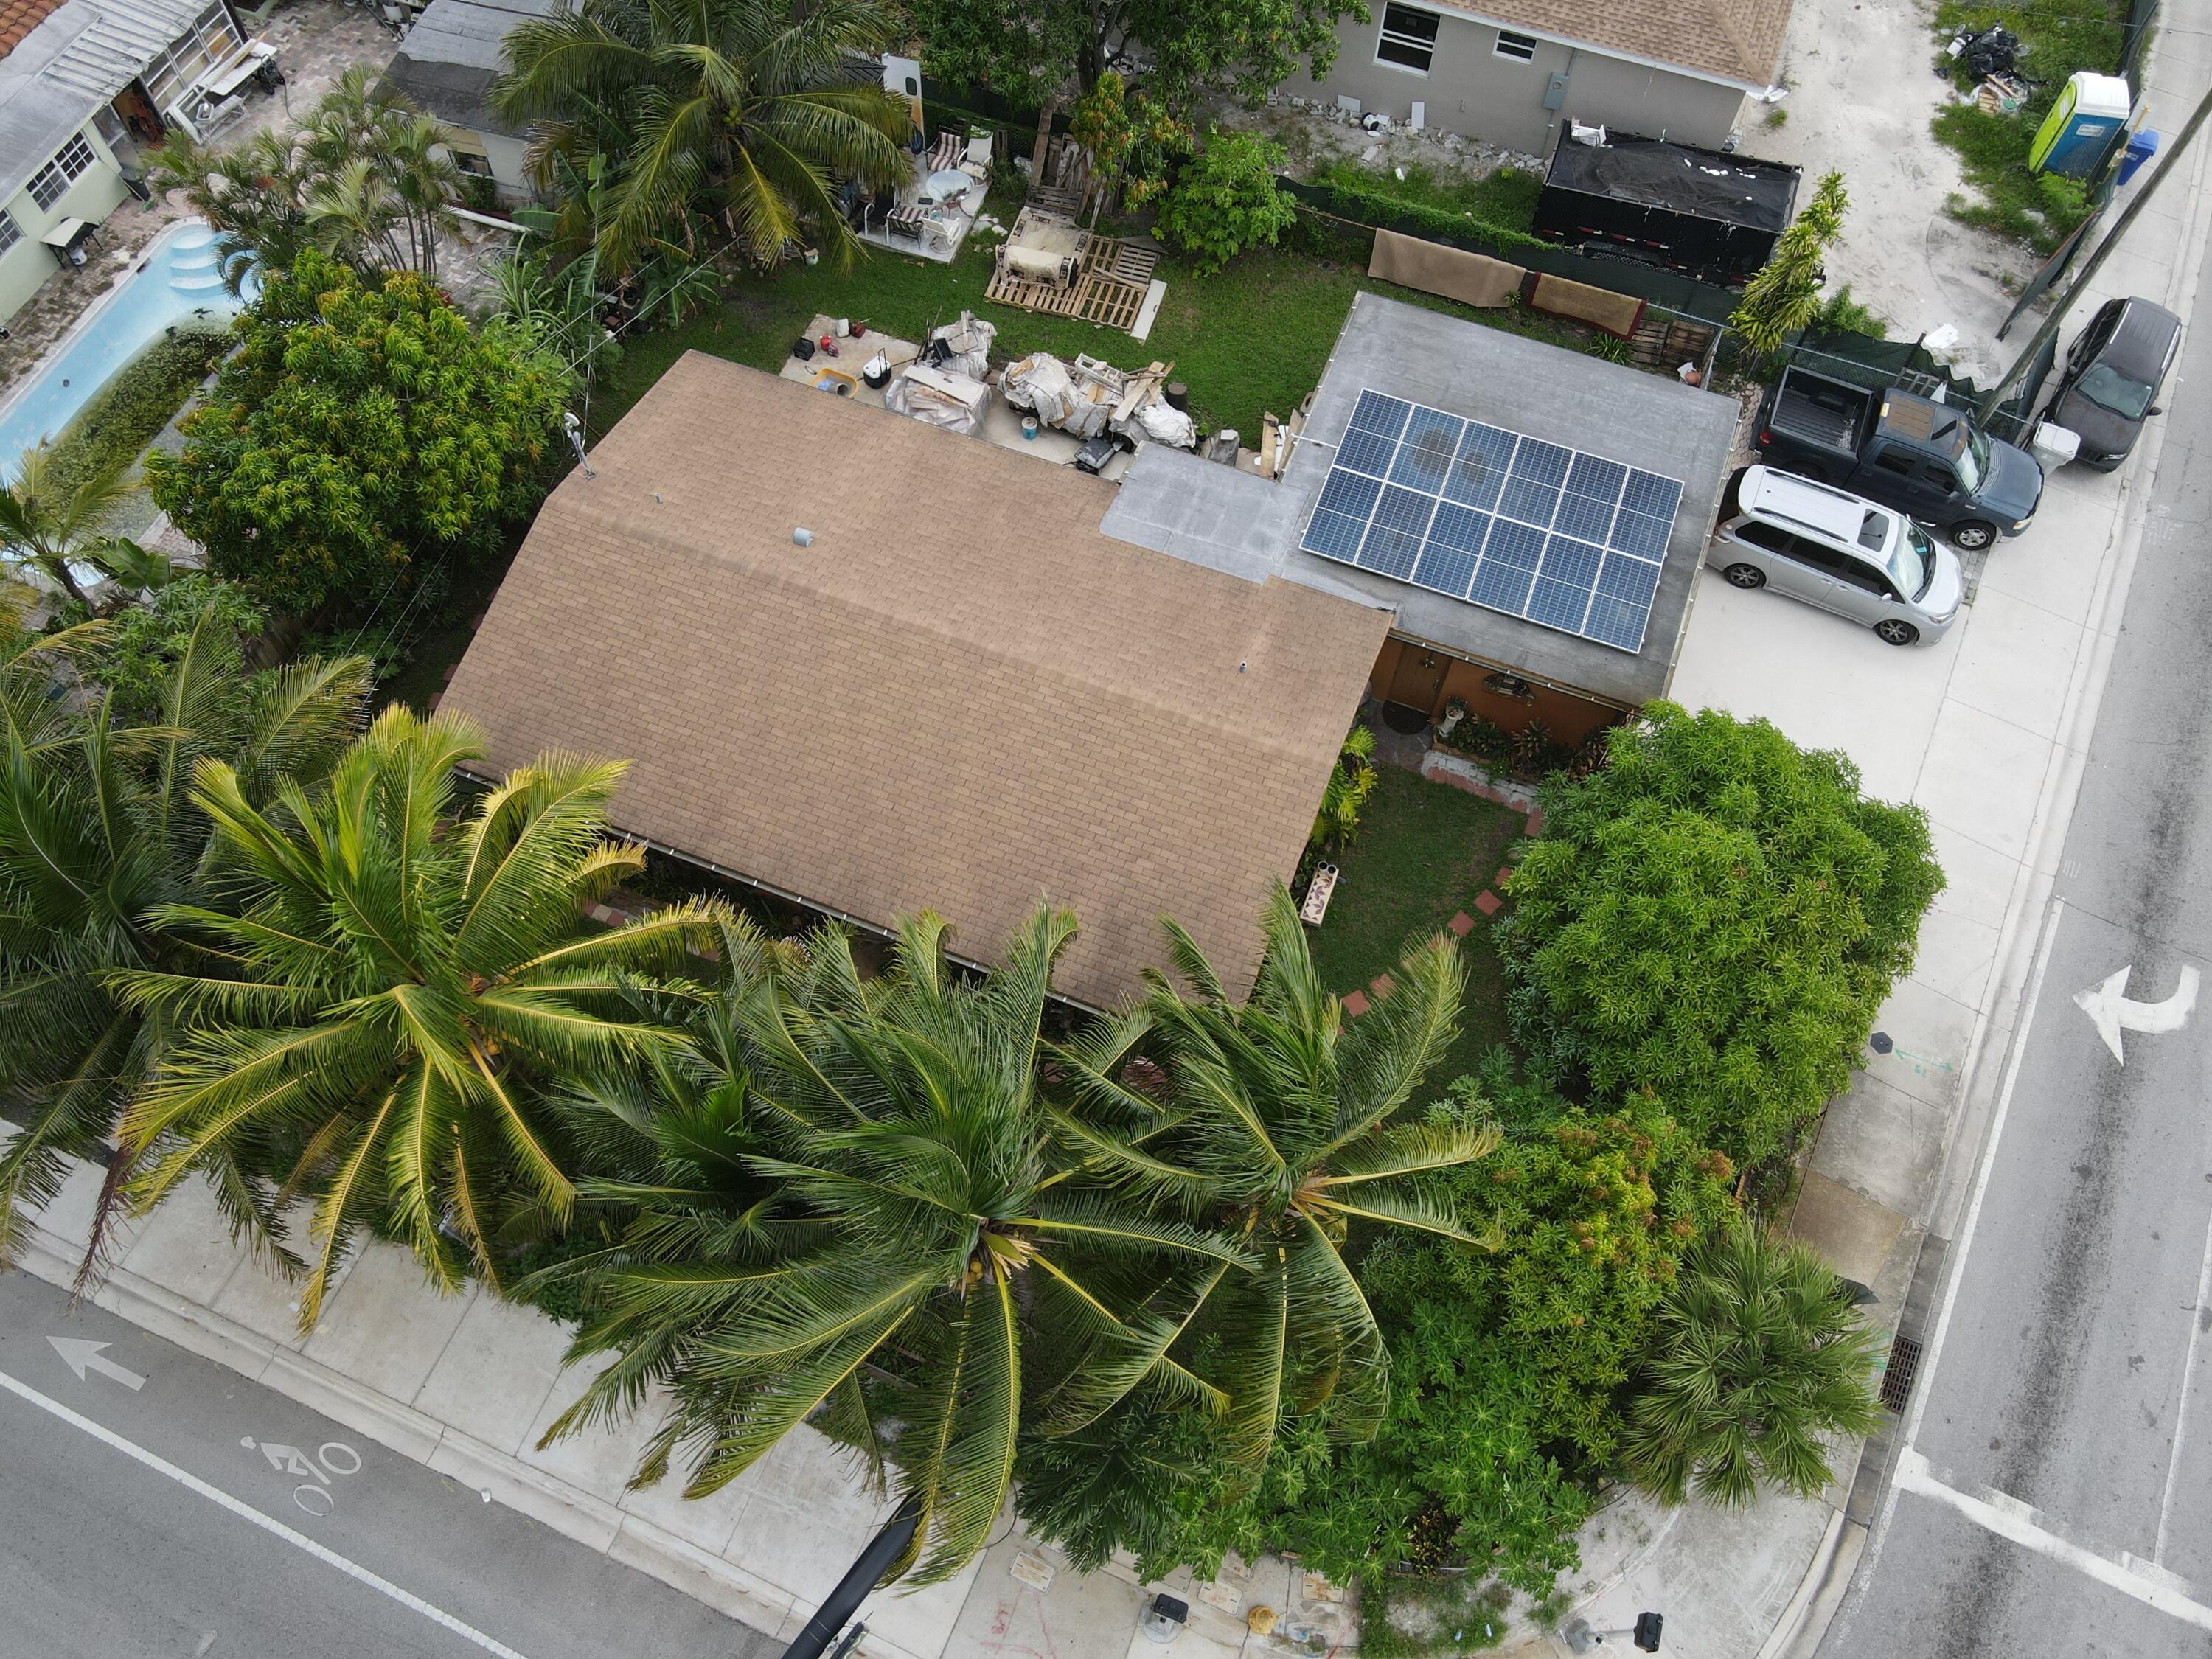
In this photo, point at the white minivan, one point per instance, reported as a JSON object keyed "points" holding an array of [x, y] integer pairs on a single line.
{"points": [[1837, 550]]}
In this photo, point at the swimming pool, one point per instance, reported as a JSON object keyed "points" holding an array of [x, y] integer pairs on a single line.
{"points": [[177, 282]]}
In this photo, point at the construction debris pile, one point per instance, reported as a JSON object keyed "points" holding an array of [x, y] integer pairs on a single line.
{"points": [[1091, 398], [947, 384]]}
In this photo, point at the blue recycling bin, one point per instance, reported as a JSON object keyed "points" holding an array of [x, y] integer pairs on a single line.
{"points": [[2140, 150]]}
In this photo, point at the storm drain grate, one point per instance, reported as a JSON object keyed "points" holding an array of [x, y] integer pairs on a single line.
{"points": [[1896, 1378]]}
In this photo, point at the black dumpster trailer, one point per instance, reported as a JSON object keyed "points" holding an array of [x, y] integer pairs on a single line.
{"points": [[1706, 213]]}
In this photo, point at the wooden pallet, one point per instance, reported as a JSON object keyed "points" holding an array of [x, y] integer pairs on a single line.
{"points": [[1665, 342], [1126, 261], [1116, 275], [1061, 202]]}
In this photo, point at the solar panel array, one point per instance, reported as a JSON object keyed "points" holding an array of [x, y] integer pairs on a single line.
{"points": [[1559, 537]]}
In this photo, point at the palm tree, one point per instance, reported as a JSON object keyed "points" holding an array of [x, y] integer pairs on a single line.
{"points": [[1759, 1358], [364, 176], [1283, 1125], [852, 1206], [96, 835], [395, 976], [756, 109], [49, 526]]}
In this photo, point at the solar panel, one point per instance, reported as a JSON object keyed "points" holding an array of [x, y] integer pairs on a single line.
{"points": [[1557, 536]]}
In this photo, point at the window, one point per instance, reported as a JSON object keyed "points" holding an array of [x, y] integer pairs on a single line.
{"points": [[1522, 48], [51, 182], [10, 233], [1855, 573], [1895, 461], [469, 161], [1770, 536], [1409, 38]]}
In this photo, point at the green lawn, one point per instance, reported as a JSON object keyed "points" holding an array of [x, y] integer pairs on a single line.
{"points": [[1249, 338], [1425, 853], [2057, 38]]}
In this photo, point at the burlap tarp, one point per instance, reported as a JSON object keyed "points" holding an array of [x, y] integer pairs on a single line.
{"points": [[1601, 307], [1475, 279]]}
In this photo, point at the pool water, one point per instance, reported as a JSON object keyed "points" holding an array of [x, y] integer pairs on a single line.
{"points": [[178, 284]]}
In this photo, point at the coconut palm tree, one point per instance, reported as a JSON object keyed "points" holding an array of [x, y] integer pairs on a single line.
{"points": [[754, 110], [853, 1207], [97, 834], [1284, 1125], [397, 974], [1759, 1361], [51, 526]]}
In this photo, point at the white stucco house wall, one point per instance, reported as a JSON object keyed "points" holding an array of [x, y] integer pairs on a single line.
{"points": [[1511, 72]]}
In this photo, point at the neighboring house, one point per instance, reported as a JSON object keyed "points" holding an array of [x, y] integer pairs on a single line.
{"points": [[954, 693], [1510, 72], [1447, 519], [85, 87], [446, 64]]}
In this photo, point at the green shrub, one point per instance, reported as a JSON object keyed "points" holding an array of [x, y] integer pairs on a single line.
{"points": [[129, 412], [1225, 200], [1504, 201], [144, 643], [1715, 915]]}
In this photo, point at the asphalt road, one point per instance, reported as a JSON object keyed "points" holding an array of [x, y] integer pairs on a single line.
{"points": [[128, 1527], [2056, 1494]]}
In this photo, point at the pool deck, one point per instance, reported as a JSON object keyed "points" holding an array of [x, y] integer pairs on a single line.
{"points": [[316, 41]]}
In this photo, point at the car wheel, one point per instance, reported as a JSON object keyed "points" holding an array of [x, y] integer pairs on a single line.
{"points": [[1746, 576], [1894, 632], [1974, 535]]}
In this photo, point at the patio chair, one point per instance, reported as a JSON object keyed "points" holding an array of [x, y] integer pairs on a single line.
{"points": [[904, 223]]}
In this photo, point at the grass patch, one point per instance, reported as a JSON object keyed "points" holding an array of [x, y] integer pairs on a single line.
{"points": [[2056, 39], [1425, 853], [113, 430], [1506, 198], [1252, 337]]}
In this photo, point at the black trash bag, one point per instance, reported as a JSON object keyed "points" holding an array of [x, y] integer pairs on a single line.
{"points": [[1992, 51]]}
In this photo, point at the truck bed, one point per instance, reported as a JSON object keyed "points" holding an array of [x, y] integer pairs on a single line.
{"points": [[1816, 410]]}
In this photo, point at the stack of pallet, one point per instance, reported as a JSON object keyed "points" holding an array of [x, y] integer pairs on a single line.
{"points": [[1108, 286]]}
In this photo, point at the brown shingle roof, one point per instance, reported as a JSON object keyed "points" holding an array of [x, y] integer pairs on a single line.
{"points": [[1735, 40], [960, 697], [19, 17]]}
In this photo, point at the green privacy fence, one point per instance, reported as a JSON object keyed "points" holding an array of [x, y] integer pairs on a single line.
{"points": [[1706, 302]]}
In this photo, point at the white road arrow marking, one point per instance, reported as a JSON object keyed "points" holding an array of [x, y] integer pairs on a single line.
{"points": [[81, 1356], [2109, 1005]]}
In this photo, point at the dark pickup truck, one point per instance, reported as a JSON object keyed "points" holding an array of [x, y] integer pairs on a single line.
{"points": [[1927, 459]]}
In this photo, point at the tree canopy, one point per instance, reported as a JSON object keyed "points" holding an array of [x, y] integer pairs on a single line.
{"points": [[752, 112], [1715, 915], [360, 425]]}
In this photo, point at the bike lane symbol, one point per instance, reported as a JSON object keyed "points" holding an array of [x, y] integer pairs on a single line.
{"points": [[313, 1493]]}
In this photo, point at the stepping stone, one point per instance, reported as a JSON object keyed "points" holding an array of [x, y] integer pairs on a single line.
{"points": [[1505, 874], [1382, 985], [1461, 925], [1488, 902], [1535, 822], [1355, 1004]]}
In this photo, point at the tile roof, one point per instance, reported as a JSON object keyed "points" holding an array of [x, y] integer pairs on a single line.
{"points": [[961, 695], [19, 17], [1738, 41]]}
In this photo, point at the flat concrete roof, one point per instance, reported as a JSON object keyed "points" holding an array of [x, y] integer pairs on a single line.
{"points": [[1249, 527]]}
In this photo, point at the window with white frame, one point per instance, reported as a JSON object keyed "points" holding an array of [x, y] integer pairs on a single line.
{"points": [[51, 182], [1522, 48], [1409, 39], [10, 232]]}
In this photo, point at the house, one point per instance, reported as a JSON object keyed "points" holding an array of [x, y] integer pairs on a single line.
{"points": [[872, 666], [1532, 517], [1511, 71], [451, 54], [85, 86]]}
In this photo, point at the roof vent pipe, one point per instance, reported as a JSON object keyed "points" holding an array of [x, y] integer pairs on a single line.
{"points": [[802, 537]]}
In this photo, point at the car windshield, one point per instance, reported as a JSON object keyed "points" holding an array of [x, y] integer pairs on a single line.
{"points": [[1913, 566], [1973, 462], [2106, 387]]}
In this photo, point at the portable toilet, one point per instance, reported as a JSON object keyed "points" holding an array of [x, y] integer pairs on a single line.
{"points": [[2077, 135]]}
